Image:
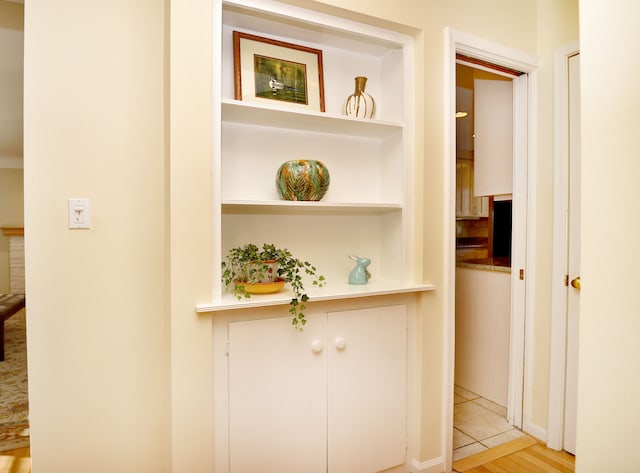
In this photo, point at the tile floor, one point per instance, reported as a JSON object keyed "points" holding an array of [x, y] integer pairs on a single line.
{"points": [[478, 424]]}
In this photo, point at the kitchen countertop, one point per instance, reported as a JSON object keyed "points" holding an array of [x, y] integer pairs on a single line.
{"points": [[471, 242], [488, 264]]}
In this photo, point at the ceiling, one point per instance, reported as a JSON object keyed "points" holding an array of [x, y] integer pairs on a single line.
{"points": [[11, 83]]}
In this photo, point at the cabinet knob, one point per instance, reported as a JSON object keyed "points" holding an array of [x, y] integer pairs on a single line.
{"points": [[341, 343], [317, 346]]}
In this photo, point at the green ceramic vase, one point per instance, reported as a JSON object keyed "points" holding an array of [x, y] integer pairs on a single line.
{"points": [[302, 179]]}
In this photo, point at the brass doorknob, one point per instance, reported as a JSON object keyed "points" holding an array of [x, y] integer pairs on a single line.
{"points": [[576, 283]]}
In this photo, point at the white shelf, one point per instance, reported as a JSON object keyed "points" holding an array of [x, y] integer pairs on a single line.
{"points": [[255, 114], [306, 207], [326, 293], [368, 208]]}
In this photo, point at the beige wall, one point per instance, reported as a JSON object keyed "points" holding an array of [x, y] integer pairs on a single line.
{"points": [[608, 385], [11, 215], [117, 353], [11, 81], [95, 127], [536, 27], [191, 245]]}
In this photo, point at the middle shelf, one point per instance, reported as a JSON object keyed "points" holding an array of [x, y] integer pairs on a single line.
{"points": [[287, 207], [362, 169]]}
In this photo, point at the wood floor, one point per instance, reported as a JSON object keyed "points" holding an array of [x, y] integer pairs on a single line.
{"points": [[16, 461], [518, 456], [534, 458]]}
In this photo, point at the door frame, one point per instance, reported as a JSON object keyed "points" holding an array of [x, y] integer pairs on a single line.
{"points": [[523, 255], [558, 344]]}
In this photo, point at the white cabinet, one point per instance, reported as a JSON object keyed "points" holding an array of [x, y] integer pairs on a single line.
{"points": [[367, 210], [277, 414], [367, 397], [467, 204], [287, 401], [483, 313], [330, 399], [493, 155]]}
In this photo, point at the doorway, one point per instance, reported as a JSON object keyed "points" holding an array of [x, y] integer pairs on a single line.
{"points": [[484, 191], [482, 54]]}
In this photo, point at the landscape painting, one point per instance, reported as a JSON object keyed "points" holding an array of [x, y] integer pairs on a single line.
{"points": [[277, 73], [277, 79]]}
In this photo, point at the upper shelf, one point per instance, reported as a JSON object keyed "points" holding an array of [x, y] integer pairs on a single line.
{"points": [[301, 25], [255, 114]]}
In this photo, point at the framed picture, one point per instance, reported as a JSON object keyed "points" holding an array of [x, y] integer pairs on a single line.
{"points": [[268, 70]]}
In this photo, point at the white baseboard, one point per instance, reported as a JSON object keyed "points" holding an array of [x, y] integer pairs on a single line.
{"points": [[539, 433], [435, 465]]}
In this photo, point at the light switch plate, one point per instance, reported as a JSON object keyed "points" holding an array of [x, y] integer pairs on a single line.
{"points": [[79, 213]]}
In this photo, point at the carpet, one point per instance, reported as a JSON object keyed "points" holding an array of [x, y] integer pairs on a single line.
{"points": [[14, 398]]}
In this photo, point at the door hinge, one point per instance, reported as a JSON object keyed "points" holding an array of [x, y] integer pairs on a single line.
{"points": [[226, 348], [521, 274]]}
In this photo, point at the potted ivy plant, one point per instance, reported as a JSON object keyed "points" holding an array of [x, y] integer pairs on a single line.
{"points": [[250, 269]]}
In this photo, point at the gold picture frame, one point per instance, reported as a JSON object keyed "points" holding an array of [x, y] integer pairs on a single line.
{"points": [[268, 70]]}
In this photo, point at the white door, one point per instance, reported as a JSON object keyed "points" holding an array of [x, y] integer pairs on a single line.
{"points": [[367, 395], [277, 396], [573, 295]]}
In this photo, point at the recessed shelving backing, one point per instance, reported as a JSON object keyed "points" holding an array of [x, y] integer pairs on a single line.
{"points": [[368, 209]]}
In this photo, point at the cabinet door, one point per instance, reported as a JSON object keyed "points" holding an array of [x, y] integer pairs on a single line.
{"points": [[277, 396], [482, 204], [464, 187], [367, 352], [467, 205], [493, 159]]}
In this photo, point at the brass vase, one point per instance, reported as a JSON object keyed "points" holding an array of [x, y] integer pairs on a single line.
{"points": [[360, 104]]}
